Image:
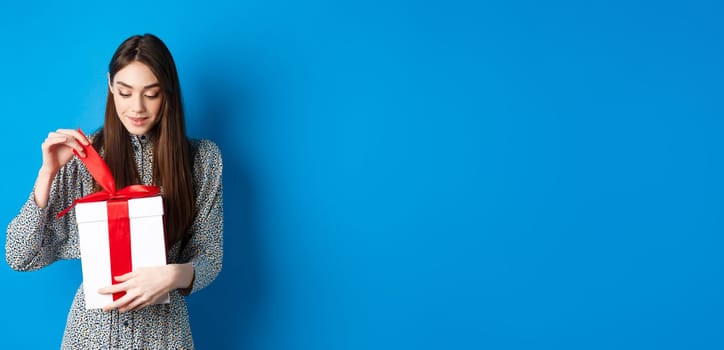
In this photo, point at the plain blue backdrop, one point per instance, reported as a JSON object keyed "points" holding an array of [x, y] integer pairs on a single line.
{"points": [[413, 174]]}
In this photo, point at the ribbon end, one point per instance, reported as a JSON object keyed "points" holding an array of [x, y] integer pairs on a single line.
{"points": [[97, 167], [65, 211]]}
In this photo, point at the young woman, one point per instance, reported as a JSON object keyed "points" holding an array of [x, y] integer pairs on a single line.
{"points": [[143, 141]]}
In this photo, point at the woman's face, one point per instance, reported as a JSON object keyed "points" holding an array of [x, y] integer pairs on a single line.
{"points": [[137, 96]]}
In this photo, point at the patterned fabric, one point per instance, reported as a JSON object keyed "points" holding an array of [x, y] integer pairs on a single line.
{"points": [[35, 239]]}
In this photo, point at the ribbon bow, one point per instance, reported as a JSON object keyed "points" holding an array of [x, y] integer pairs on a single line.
{"points": [[98, 168]]}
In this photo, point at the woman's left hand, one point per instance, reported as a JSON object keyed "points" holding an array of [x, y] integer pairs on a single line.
{"points": [[143, 287]]}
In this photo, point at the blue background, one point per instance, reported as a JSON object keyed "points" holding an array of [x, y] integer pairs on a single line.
{"points": [[414, 174]]}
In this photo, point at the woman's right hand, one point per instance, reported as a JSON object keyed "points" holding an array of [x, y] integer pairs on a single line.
{"points": [[58, 149]]}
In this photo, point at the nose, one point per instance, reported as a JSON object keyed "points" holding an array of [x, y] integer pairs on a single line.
{"points": [[138, 105]]}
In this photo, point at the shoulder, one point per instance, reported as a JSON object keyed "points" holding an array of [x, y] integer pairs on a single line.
{"points": [[207, 155], [203, 148], [92, 136]]}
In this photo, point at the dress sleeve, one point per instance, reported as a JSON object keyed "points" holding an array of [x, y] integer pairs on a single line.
{"points": [[35, 238], [205, 247]]}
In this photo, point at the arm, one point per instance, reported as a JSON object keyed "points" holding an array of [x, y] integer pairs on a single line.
{"points": [[34, 237], [202, 255], [204, 250]]}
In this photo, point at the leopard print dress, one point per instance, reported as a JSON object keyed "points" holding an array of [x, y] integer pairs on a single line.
{"points": [[35, 238]]}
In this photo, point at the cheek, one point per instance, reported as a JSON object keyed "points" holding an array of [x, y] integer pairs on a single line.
{"points": [[155, 107], [118, 103]]}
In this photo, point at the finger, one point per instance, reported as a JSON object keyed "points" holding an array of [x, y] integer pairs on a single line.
{"points": [[110, 289], [76, 135], [51, 145], [141, 301], [121, 286], [54, 139], [120, 302], [137, 300], [66, 139], [125, 277], [115, 288], [137, 303]]}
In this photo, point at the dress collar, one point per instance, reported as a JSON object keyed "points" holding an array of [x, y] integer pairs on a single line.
{"points": [[140, 140]]}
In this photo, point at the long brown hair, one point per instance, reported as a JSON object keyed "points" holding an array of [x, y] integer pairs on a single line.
{"points": [[172, 156]]}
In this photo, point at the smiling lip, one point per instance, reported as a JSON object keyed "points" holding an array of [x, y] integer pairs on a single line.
{"points": [[139, 121]]}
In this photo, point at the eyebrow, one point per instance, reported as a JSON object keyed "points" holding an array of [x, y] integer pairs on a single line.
{"points": [[144, 88]]}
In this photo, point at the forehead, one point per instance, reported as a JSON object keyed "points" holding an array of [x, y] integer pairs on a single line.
{"points": [[136, 74]]}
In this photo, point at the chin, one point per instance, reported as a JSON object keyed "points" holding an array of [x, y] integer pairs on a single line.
{"points": [[137, 131]]}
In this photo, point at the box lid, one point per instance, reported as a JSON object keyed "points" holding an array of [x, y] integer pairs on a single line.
{"points": [[137, 208]]}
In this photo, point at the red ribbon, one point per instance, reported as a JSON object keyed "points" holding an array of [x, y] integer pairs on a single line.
{"points": [[119, 240], [119, 225], [98, 168]]}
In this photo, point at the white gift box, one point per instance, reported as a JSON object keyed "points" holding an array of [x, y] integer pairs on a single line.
{"points": [[148, 247]]}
